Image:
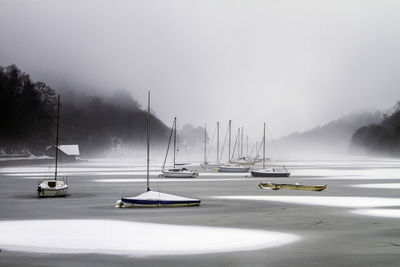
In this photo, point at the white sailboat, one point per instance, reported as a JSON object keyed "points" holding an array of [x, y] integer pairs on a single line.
{"points": [[210, 165], [53, 187], [176, 172], [232, 167], [241, 159], [153, 199], [270, 172]]}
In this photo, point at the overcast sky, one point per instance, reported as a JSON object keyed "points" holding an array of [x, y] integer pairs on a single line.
{"points": [[292, 64]]}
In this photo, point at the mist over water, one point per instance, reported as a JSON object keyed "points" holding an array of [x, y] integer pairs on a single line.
{"points": [[294, 65]]}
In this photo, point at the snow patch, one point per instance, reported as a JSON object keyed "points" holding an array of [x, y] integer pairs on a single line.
{"points": [[387, 213], [378, 186], [132, 238], [339, 174], [342, 202]]}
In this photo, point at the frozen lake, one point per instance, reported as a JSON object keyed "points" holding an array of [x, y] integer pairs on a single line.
{"points": [[354, 222]]}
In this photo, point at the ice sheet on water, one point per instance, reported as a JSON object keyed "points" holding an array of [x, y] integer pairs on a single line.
{"points": [[387, 173], [342, 202], [387, 213], [132, 238], [378, 186]]}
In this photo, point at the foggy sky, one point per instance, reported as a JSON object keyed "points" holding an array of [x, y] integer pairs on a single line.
{"points": [[292, 64]]}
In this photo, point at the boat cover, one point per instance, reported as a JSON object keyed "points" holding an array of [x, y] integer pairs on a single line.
{"points": [[154, 198]]}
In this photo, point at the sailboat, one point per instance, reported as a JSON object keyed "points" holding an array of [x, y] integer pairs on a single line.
{"points": [[270, 172], [153, 199], [243, 160], [232, 167], [176, 172], [53, 187], [210, 165]]}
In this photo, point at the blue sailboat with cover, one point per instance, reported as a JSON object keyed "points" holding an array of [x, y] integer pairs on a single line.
{"points": [[154, 199]]}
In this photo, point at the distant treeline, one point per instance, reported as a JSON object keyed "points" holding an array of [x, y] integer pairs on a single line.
{"points": [[383, 138], [27, 111], [28, 118]]}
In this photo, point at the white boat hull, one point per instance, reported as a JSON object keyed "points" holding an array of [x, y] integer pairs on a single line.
{"points": [[210, 166], [52, 188], [244, 163]]}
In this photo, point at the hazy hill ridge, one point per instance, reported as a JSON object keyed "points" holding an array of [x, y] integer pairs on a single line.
{"points": [[334, 136]]}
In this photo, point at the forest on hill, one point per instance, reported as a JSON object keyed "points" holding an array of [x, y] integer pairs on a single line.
{"points": [[97, 124], [379, 139]]}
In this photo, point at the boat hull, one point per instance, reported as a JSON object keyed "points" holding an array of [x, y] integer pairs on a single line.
{"points": [[52, 189], [244, 163], [275, 186], [210, 166], [269, 174], [233, 169], [158, 204]]}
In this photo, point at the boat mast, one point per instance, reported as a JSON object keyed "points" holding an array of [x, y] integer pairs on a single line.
{"points": [[217, 141], [174, 139], [229, 154], [205, 143], [264, 148], [247, 145], [241, 144], [256, 149], [238, 138], [148, 141], [58, 119], [169, 144]]}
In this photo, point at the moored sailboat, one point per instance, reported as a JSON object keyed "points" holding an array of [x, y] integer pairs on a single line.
{"points": [[270, 172], [176, 172], [210, 165], [53, 187], [242, 160], [232, 167], [154, 199]]}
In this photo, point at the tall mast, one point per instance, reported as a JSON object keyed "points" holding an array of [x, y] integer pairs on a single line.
{"points": [[205, 143], [241, 144], [238, 138], [148, 141], [247, 145], [217, 141], [264, 148], [174, 139], [58, 119], [229, 154]]}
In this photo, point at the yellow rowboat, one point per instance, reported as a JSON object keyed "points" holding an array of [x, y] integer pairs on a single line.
{"points": [[296, 186]]}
